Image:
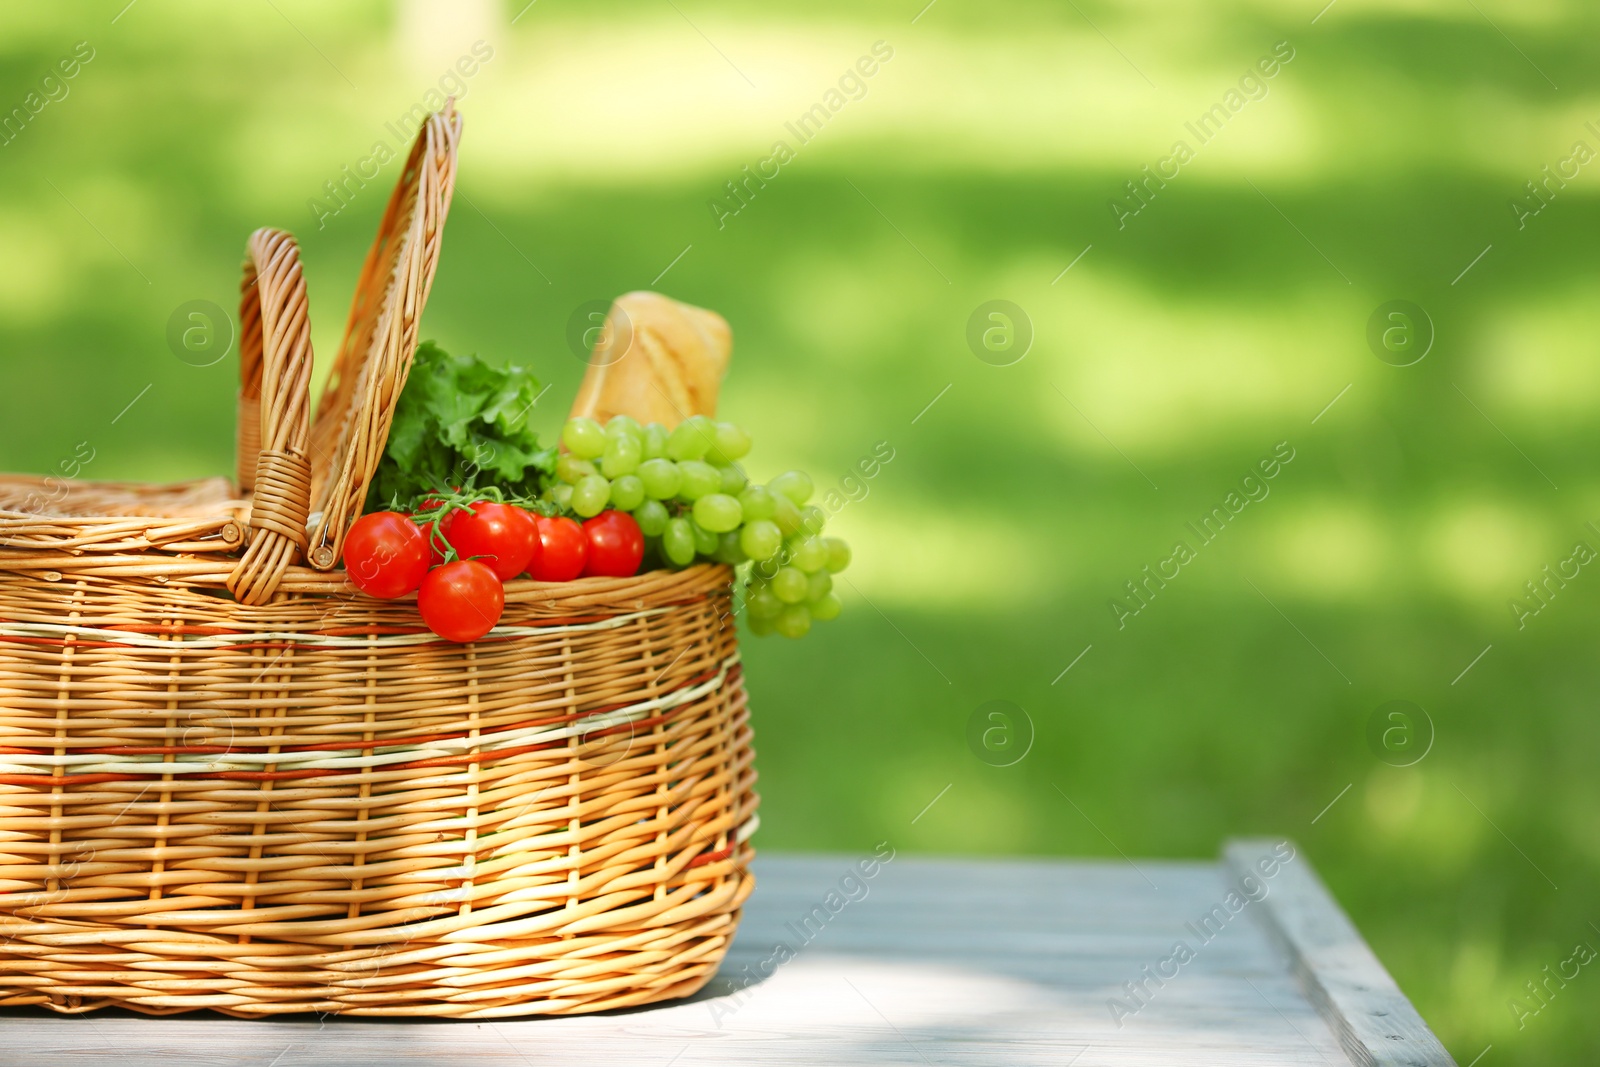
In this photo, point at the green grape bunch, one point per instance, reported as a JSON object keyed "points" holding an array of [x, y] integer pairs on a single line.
{"points": [[692, 501]]}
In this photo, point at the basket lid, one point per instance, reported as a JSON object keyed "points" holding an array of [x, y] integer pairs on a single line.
{"points": [[358, 400]]}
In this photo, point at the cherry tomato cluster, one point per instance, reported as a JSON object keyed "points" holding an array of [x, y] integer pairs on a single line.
{"points": [[456, 554]]}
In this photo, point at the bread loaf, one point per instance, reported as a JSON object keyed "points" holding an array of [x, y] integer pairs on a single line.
{"points": [[657, 360]]}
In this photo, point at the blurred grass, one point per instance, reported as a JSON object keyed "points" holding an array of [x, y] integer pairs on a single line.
{"points": [[1209, 329]]}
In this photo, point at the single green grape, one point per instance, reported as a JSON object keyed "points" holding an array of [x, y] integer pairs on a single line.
{"points": [[692, 438], [570, 468], [731, 441], [762, 627], [699, 479], [705, 542], [812, 519], [760, 539], [677, 542], [583, 437], [662, 478], [728, 550], [796, 485], [826, 607], [818, 586], [838, 554], [718, 512], [651, 516], [785, 514], [762, 603], [810, 554], [590, 495], [627, 492], [625, 425], [653, 441], [733, 479], [621, 455], [757, 503], [560, 495], [789, 585], [794, 621]]}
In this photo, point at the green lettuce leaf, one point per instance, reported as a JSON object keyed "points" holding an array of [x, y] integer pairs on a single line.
{"points": [[460, 421]]}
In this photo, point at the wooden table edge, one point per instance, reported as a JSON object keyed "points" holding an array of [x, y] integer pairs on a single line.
{"points": [[1375, 1024]]}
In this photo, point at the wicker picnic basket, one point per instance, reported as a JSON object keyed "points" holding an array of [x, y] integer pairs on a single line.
{"points": [[229, 781]]}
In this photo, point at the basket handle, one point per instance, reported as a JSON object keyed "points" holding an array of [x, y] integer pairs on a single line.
{"points": [[358, 401], [274, 412], [247, 443]]}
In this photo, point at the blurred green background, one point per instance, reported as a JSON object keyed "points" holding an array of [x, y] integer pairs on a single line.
{"points": [[1175, 353]]}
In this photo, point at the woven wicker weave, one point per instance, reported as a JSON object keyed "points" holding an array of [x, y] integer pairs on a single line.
{"points": [[230, 781]]}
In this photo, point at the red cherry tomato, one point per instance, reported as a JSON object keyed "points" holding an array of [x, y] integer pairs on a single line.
{"points": [[461, 601], [385, 555], [563, 552], [503, 535], [616, 545]]}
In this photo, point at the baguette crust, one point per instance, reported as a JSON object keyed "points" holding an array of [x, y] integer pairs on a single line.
{"points": [[658, 360]]}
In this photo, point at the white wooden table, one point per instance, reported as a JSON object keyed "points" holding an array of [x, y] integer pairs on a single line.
{"points": [[926, 962]]}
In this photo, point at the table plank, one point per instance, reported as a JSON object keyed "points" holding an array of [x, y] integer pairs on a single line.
{"points": [[928, 961], [1375, 1023]]}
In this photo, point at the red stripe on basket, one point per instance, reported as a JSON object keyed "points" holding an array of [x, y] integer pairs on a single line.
{"points": [[334, 746], [37, 781], [711, 857]]}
